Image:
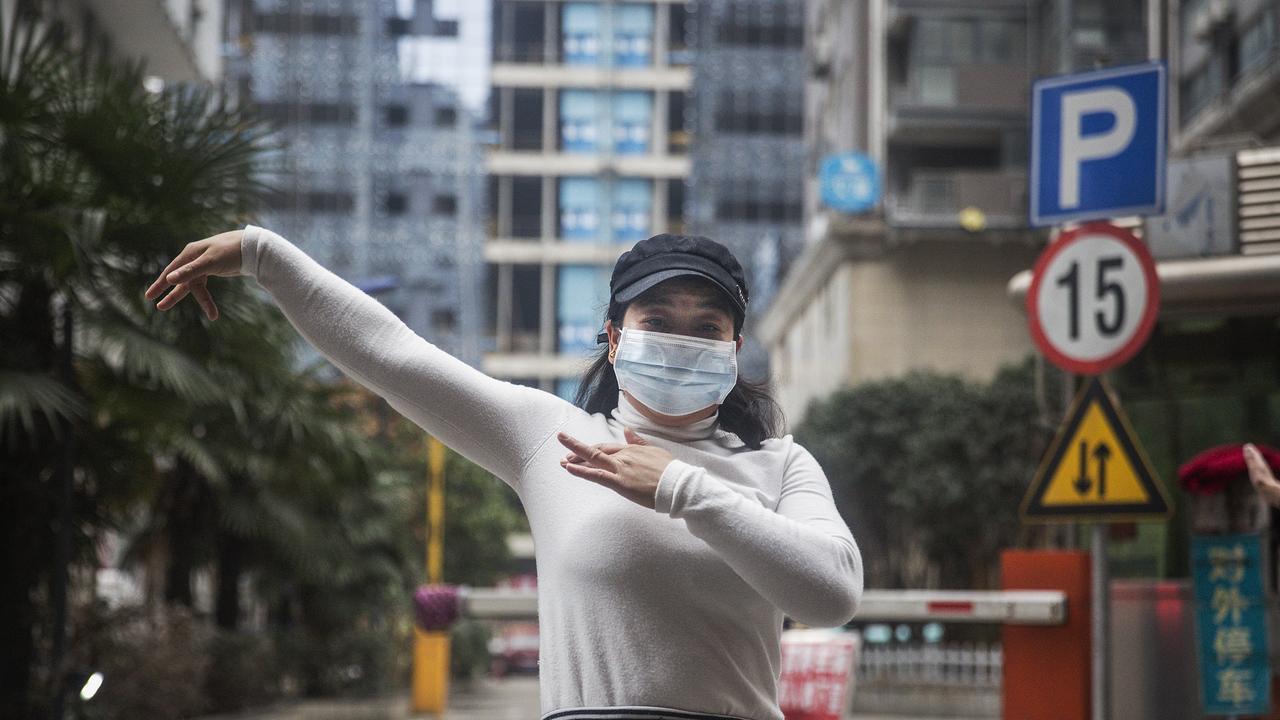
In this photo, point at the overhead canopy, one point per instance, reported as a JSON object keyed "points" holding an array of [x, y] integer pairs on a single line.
{"points": [[1226, 285]]}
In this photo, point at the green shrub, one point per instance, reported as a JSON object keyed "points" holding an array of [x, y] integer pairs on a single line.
{"points": [[243, 671], [468, 649]]}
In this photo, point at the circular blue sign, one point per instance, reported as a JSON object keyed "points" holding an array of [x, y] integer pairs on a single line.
{"points": [[849, 182]]}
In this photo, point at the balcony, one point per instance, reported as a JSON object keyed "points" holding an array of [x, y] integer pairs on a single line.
{"points": [[934, 199], [963, 95]]}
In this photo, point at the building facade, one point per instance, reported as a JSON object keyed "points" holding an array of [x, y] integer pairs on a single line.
{"points": [[590, 155], [935, 94], [382, 178], [746, 187]]}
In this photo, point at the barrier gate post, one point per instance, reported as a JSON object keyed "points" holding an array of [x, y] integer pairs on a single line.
{"points": [[1047, 669]]}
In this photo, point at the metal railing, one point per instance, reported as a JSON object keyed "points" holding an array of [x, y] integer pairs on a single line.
{"points": [[935, 198], [964, 678]]}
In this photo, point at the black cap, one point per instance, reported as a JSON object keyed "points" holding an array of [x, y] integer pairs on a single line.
{"points": [[665, 256]]}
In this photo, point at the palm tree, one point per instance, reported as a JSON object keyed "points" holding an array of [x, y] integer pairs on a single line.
{"points": [[98, 177], [239, 460]]}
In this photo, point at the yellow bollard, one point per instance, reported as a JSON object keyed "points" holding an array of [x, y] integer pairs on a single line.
{"points": [[430, 671], [431, 649]]}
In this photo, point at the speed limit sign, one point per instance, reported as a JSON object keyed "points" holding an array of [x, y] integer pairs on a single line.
{"points": [[1093, 299]]}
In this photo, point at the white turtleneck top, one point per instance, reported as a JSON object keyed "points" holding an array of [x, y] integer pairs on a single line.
{"points": [[674, 612]]}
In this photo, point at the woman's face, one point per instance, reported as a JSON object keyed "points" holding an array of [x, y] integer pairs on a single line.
{"points": [[684, 306]]}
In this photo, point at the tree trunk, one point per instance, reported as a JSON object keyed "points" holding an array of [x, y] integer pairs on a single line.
{"points": [[180, 530], [230, 569], [26, 503]]}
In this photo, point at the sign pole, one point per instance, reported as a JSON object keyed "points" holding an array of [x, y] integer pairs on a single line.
{"points": [[1100, 647], [1093, 299]]}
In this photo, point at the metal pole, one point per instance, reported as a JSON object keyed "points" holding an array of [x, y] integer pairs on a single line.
{"points": [[1100, 647]]}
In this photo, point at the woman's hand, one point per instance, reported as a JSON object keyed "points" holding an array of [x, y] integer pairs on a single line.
{"points": [[191, 269], [632, 469], [1261, 476]]}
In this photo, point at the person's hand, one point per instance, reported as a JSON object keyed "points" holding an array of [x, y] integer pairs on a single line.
{"points": [[1261, 476], [631, 469], [190, 271]]}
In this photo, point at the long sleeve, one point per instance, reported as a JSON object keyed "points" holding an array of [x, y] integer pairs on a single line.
{"points": [[496, 424], [801, 557]]}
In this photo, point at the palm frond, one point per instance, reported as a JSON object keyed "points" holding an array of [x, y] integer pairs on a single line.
{"points": [[139, 356], [27, 398]]}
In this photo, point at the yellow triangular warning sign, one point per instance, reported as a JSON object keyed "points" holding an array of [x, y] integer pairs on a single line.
{"points": [[1095, 469]]}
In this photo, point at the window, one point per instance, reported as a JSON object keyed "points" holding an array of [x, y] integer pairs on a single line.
{"points": [[1200, 87], [580, 30], [1258, 42], [397, 26], [396, 115], [444, 320], [330, 202], [752, 202], [741, 30], [396, 203], [446, 117], [782, 114], [444, 205], [942, 41], [307, 23], [284, 113], [446, 28], [526, 118]]}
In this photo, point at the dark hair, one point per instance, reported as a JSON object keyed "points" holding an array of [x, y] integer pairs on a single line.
{"points": [[749, 411]]}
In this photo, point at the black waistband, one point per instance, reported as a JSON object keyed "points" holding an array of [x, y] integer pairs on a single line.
{"points": [[638, 712]]}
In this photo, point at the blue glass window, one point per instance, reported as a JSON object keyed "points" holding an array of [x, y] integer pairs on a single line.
{"points": [[580, 30], [582, 296], [580, 201], [632, 115], [633, 35], [581, 120], [632, 206]]}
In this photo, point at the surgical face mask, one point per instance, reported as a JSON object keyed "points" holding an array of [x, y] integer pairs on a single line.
{"points": [[675, 374]]}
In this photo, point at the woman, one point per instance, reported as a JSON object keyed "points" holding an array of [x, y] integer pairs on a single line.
{"points": [[662, 582]]}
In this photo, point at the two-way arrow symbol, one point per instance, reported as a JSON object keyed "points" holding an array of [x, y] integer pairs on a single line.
{"points": [[1102, 452], [1083, 483]]}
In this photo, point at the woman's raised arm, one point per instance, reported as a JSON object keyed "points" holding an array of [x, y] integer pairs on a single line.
{"points": [[497, 424]]}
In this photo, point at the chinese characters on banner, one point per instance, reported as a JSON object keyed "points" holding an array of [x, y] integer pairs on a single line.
{"points": [[1231, 622], [817, 674]]}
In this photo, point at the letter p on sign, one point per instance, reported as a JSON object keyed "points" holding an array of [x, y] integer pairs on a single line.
{"points": [[1098, 145]]}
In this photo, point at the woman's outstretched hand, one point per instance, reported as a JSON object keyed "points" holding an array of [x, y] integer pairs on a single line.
{"points": [[1261, 476], [190, 271], [632, 469]]}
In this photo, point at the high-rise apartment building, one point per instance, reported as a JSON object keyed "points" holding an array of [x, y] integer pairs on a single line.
{"points": [[591, 154], [749, 161], [382, 181]]}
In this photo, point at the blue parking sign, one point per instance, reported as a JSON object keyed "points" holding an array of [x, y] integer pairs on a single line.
{"points": [[1098, 144]]}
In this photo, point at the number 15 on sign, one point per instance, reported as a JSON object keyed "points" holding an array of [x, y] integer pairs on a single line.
{"points": [[1093, 299]]}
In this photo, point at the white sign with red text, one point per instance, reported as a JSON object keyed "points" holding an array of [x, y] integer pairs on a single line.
{"points": [[818, 666]]}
